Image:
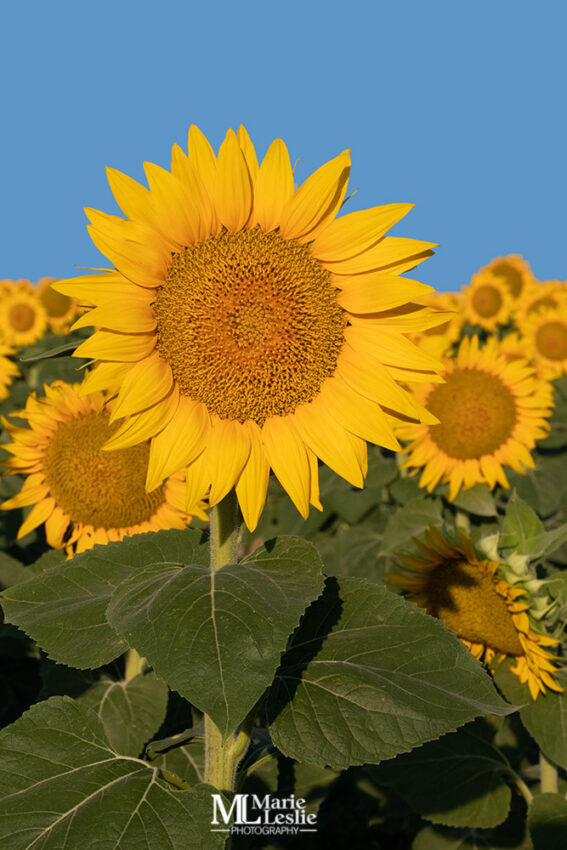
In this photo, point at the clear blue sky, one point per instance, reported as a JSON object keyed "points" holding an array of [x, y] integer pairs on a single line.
{"points": [[458, 107]]}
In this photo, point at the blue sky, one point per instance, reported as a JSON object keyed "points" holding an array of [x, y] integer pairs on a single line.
{"points": [[457, 107]]}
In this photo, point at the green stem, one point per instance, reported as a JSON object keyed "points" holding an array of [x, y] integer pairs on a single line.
{"points": [[222, 756], [133, 665], [548, 776]]}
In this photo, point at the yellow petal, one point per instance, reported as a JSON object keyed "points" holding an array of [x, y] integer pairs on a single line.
{"points": [[195, 189], [202, 157], [111, 345], [148, 423], [287, 455], [389, 347], [105, 376], [356, 232], [26, 496], [146, 383], [181, 441], [233, 188], [228, 448], [127, 315], [252, 485], [176, 209], [357, 414], [336, 447], [249, 151], [198, 481], [55, 527], [98, 289], [386, 254], [374, 292], [134, 200], [38, 514], [314, 481], [372, 381], [273, 187], [140, 262], [317, 200]]}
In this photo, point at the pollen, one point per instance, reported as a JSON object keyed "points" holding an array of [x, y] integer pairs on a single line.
{"points": [[94, 487], [21, 317], [249, 324], [477, 414]]}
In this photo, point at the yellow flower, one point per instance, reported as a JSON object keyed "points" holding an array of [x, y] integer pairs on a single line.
{"points": [[60, 309], [488, 302], [514, 271], [438, 339], [246, 327], [83, 494], [470, 596], [545, 339], [490, 410], [550, 294], [22, 317], [8, 370]]}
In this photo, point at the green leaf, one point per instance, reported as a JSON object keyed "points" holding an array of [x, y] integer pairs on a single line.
{"points": [[64, 608], [353, 551], [11, 571], [131, 712], [34, 355], [455, 781], [511, 835], [547, 821], [522, 530], [478, 500], [369, 675], [351, 503], [62, 785], [410, 521], [545, 718], [217, 637]]}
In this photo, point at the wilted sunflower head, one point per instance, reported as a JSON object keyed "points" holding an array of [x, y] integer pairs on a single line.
{"points": [[23, 319], [487, 301], [246, 327], [490, 411], [81, 493], [470, 596]]}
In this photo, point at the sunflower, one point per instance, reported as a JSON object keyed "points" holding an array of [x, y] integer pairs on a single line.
{"points": [[438, 339], [512, 270], [83, 494], [545, 340], [245, 327], [488, 302], [8, 370], [490, 411], [548, 295], [60, 309], [22, 318], [470, 596]]}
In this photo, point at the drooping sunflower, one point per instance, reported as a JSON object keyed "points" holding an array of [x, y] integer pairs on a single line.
{"points": [[60, 309], [471, 597], [246, 327], [490, 410], [488, 302], [545, 339], [83, 494], [8, 370], [23, 319], [514, 271]]}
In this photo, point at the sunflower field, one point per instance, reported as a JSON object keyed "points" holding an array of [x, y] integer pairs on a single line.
{"points": [[284, 530]]}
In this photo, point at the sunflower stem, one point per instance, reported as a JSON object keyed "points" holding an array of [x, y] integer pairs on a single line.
{"points": [[548, 776], [222, 756]]}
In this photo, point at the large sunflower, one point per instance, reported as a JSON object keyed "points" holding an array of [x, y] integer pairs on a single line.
{"points": [[60, 309], [83, 494], [490, 411], [246, 327], [471, 597], [545, 339], [23, 319], [8, 370]]}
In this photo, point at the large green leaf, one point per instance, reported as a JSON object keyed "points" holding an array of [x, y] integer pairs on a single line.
{"points": [[410, 521], [545, 718], [455, 781], [63, 787], [522, 530], [131, 712], [511, 835], [64, 608], [217, 637], [547, 820], [369, 675]]}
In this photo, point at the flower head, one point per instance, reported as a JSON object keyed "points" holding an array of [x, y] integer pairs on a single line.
{"points": [[470, 596], [246, 327], [8, 370], [488, 302], [60, 309], [23, 319], [83, 494], [545, 339], [514, 271]]}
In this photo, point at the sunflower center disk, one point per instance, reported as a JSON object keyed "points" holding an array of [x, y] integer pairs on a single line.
{"points": [[466, 600], [551, 340], [477, 414], [94, 487], [249, 324], [21, 317], [487, 301]]}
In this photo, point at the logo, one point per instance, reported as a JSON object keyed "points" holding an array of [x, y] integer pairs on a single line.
{"points": [[268, 815]]}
